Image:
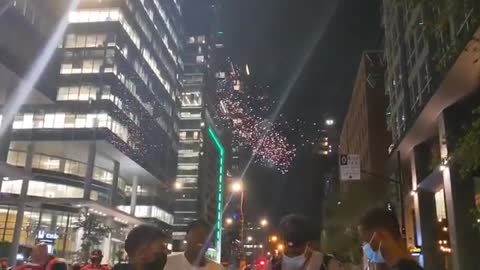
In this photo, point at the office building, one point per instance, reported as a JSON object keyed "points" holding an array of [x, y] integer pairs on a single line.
{"points": [[201, 153], [364, 130], [107, 142], [431, 82]]}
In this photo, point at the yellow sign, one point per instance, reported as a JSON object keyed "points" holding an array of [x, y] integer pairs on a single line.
{"points": [[415, 250]]}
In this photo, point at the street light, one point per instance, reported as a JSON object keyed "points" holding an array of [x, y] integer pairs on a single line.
{"points": [[329, 122], [273, 238], [229, 221], [237, 187], [264, 222], [280, 247], [249, 239], [178, 185]]}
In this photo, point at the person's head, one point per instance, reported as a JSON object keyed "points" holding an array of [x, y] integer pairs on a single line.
{"points": [[379, 225], [96, 257], [197, 237], [76, 266], [296, 232], [146, 245], [379, 230], [40, 254]]}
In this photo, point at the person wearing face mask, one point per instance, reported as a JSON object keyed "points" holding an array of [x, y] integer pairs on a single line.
{"points": [[380, 232], [296, 233], [146, 249], [197, 238]]}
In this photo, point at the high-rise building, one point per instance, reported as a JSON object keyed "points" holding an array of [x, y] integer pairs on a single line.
{"points": [[202, 153], [364, 130], [431, 81], [107, 142]]}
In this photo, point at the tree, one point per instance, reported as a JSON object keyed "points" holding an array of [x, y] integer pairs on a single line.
{"points": [[466, 156], [344, 211], [94, 231]]}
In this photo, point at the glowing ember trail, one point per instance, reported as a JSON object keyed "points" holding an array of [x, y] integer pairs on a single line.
{"points": [[251, 131]]}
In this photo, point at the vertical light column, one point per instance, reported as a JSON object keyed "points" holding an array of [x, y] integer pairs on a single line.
{"points": [[21, 206], [221, 169], [133, 197]]}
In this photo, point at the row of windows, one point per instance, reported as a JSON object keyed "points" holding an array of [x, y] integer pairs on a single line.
{"points": [[148, 33], [100, 15], [190, 116], [70, 120], [148, 211], [191, 99], [89, 92], [86, 66], [88, 41], [67, 166], [164, 16], [188, 153], [189, 135], [47, 190]]}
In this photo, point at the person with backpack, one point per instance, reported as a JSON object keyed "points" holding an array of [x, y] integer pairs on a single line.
{"points": [[296, 233]]}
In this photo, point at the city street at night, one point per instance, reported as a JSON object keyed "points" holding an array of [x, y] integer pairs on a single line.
{"points": [[239, 134]]}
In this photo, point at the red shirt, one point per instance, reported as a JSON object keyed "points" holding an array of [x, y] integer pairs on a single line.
{"points": [[97, 267]]}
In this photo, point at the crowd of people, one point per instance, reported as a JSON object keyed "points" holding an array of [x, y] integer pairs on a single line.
{"points": [[146, 248]]}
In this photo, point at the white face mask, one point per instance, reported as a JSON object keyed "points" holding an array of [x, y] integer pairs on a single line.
{"points": [[293, 263]]}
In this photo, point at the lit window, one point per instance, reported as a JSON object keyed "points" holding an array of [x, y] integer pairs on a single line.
{"points": [[70, 41], [73, 93], [81, 41], [80, 121], [62, 93], [49, 120], [69, 121], [38, 121], [18, 122]]}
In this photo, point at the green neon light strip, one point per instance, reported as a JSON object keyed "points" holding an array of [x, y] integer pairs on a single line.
{"points": [[221, 152]]}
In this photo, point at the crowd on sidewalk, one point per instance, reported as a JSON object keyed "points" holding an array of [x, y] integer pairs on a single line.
{"points": [[146, 248]]}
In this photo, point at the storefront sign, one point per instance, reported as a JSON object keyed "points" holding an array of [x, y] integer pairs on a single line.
{"points": [[47, 236]]}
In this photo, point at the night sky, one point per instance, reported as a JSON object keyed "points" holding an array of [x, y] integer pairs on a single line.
{"points": [[309, 51]]}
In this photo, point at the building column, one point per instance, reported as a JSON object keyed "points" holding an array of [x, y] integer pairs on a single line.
{"points": [[92, 149], [432, 257], [21, 206], [133, 197], [459, 200], [114, 189], [426, 222], [107, 242]]}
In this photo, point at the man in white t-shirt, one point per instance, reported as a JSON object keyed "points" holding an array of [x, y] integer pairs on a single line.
{"points": [[296, 232], [194, 256]]}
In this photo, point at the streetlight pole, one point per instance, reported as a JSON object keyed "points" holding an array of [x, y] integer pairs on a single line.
{"points": [[237, 187], [242, 229]]}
